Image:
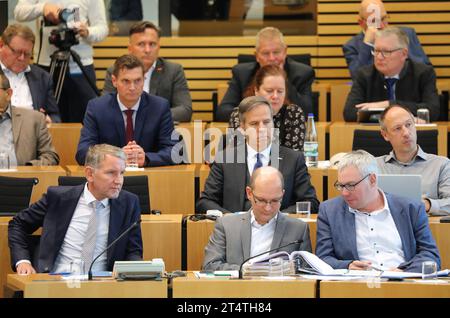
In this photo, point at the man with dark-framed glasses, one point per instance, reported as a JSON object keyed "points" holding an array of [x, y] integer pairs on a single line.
{"points": [[392, 79], [237, 237], [366, 228]]}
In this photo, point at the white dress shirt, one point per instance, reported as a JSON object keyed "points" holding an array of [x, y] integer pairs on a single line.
{"points": [[377, 237], [251, 158], [72, 245], [262, 235], [21, 96], [148, 77]]}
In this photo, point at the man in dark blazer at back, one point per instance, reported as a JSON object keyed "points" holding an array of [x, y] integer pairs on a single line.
{"points": [[139, 123], [393, 79], [78, 222], [162, 77], [270, 49], [231, 170], [33, 87]]}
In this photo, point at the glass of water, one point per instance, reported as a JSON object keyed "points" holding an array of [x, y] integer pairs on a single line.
{"points": [[132, 160], [303, 208], [4, 161], [423, 116], [429, 270]]}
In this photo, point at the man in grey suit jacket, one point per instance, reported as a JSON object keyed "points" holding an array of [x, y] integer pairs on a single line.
{"points": [[231, 170], [33, 86], [366, 228], [263, 228], [24, 132], [162, 78]]}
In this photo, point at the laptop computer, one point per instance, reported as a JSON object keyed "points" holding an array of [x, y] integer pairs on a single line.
{"points": [[405, 185], [369, 116]]}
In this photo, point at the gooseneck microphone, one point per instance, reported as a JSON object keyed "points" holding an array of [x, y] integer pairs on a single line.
{"points": [[270, 251], [132, 226]]}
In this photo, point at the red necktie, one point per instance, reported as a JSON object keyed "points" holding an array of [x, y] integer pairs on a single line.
{"points": [[129, 129]]}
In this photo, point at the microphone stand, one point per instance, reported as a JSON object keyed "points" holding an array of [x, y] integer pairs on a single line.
{"points": [[111, 244]]}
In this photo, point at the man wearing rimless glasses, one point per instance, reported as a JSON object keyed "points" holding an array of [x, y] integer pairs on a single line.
{"points": [[393, 79], [237, 237], [366, 228]]}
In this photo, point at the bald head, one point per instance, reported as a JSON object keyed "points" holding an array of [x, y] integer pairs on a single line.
{"points": [[372, 13], [265, 176]]}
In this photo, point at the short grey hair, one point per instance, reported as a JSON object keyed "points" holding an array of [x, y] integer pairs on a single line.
{"points": [[97, 153], [360, 159], [248, 103], [402, 37], [269, 33]]}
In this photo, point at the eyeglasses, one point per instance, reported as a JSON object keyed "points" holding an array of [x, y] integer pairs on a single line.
{"points": [[17, 53], [349, 186], [262, 203], [384, 53]]}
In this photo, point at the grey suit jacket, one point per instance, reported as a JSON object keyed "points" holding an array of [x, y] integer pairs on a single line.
{"points": [[32, 141], [229, 244], [168, 81]]}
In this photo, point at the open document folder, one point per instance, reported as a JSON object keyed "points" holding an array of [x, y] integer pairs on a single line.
{"points": [[308, 263]]}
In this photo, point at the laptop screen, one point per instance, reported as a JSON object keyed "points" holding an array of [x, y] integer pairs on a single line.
{"points": [[405, 185]]}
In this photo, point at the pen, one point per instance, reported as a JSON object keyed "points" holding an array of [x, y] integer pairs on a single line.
{"points": [[61, 273], [228, 275]]}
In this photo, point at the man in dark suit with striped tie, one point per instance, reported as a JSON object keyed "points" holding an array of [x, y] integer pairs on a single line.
{"points": [[393, 79], [231, 170]]}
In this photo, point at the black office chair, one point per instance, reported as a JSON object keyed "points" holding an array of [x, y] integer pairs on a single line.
{"points": [[15, 194], [301, 58], [372, 141], [134, 184]]}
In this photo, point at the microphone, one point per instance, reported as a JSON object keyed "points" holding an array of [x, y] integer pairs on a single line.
{"points": [[132, 226], [270, 251]]}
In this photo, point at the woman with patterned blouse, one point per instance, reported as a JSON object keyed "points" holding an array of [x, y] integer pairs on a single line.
{"points": [[270, 82]]}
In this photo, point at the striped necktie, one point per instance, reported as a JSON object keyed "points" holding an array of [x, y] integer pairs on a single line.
{"points": [[87, 253]]}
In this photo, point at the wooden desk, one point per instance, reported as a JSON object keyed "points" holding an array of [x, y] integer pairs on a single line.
{"points": [[47, 286], [172, 188], [192, 287], [321, 127], [363, 289], [47, 175], [341, 136], [65, 137], [161, 238], [441, 234], [198, 234]]}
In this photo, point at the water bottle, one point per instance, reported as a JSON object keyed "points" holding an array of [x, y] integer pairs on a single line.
{"points": [[311, 147]]}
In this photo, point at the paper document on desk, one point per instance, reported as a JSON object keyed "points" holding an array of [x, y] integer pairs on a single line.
{"points": [[216, 274]]}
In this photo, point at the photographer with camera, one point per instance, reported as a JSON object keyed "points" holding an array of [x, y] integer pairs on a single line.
{"points": [[71, 27]]}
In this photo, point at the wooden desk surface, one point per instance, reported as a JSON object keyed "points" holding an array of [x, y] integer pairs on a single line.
{"points": [[47, 175], [372, 289], [47, 286], [172, 188], [192, 287], [198, 234], [341, 136]]}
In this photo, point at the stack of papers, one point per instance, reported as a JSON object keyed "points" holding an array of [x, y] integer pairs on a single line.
{"points": [[216, 274]]}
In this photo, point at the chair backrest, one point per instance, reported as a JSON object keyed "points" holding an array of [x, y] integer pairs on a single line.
{"points": [[301, 58], [134, 184], [372, 141], [15, 194]]}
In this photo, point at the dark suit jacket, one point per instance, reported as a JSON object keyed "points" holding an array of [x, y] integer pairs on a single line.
{"points": [[225, 185], [55, 211], [336, 233], [230, 243], [416, 88], [41, 88], [168, 81], [300, 78], [357, 53], [104, 123]]}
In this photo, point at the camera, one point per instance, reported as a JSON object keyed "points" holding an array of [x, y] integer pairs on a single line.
{"points": [[65, 35]]}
